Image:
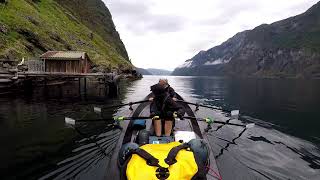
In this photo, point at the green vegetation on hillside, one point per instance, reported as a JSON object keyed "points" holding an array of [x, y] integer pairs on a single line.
{"points": [[97, 17], [30, 27]]}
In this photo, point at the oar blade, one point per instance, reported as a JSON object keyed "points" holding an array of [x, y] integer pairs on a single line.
{"points": [[97, 110], [251, 125], [69, 121], [235, 114]]}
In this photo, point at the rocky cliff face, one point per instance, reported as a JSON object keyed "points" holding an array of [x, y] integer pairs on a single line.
{"points": [[288, 48], [30, 27], [97, 17]]}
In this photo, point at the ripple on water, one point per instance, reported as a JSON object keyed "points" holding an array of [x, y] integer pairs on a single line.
{"points": [[88, 156], [269, 153]]}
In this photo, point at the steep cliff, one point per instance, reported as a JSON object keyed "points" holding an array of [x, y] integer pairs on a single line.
{"points": [[30, 27], [96, 16], [287, 48]]}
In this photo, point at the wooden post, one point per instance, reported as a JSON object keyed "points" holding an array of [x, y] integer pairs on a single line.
{"points": [[27, 85], [60, 91], [106, 86], [79, 79], [85, 86], [113, 89], [46, 89]]}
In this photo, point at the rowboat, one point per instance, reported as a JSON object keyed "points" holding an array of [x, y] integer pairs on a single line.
{"points": [[183, 130]]}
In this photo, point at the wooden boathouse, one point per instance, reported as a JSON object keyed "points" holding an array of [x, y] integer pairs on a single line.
{"points": [[57, 68], [66, 62]]}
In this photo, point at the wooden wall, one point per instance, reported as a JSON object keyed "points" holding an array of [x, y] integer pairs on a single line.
{"points": [[35, 66], [71, 66]]}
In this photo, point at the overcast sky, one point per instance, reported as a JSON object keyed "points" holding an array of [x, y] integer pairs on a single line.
{"points": [[165, 33]]}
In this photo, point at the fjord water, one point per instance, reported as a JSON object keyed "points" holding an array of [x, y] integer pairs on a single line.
{"points": [[284, 144]]}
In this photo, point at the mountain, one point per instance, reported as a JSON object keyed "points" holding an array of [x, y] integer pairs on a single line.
{"points": [[160, 72], [287, 48], [143, 71], [29, 28], [153, 71]]}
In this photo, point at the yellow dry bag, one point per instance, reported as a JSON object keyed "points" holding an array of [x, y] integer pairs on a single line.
{"points": [[172, 161]]}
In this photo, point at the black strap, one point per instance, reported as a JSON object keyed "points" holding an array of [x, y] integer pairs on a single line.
{"points": [[171, 158], [164, 102], [151, 161], [161, 172]]}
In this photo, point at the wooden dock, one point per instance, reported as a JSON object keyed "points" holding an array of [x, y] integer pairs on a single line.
{"points": [[56, 66], [29, 80], [109, 76]]}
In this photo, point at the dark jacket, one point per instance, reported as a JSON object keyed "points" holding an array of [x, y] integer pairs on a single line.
{"points": [[171, 91], [163, 105]]}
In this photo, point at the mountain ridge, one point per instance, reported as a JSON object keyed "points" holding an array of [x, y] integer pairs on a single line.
{"points": [[286, 48], [143, 71], [154, 71], [160, 72]]}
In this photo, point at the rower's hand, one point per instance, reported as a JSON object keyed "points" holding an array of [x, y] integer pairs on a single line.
{"points": [[177, 115], [151, 99], [175, 99]]}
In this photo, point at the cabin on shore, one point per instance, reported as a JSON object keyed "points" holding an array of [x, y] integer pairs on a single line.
{"points": [[66, 61]]}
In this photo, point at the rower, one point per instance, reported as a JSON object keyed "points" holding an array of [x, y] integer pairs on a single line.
{"points": [[163, 107], [168, 88]]}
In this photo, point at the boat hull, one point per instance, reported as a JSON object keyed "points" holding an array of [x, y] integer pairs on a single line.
{"points": [[129, 134]]}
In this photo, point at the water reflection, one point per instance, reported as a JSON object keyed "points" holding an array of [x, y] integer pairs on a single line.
{"points": [[291, 104], [34, 137]]}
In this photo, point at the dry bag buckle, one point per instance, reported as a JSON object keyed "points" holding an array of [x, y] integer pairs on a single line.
{"points": [[162, 173], [170, 161]]}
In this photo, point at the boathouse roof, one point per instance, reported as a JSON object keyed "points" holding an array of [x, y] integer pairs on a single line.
{"points": [[63, 55]]}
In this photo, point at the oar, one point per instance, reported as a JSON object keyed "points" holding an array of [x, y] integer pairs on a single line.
{"points": [[126, 104], [200, 105], [98, 110], [70, 121], [210, 121], [206, 106]]}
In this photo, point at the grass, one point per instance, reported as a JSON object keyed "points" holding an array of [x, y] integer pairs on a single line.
{"points": [[47, 19]]}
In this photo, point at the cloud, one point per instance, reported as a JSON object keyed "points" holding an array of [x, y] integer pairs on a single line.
{"points": [[166, 23], [139, 18], [130, 8], [156, 24], [165, 33]]}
